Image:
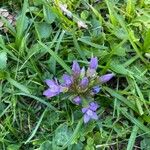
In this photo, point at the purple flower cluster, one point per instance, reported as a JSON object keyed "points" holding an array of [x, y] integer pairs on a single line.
{"points": [[82, 85]]}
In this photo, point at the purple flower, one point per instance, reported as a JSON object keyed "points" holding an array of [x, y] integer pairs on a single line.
{"points": [[84, 83], [105, 78], [96, 89], [67, 80], [93, 63], [89, 112], [53, 90], [76, 68], [77, 100]]}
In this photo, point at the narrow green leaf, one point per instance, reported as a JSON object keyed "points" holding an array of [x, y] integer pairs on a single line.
{"points": [[36, 128], [146, 45], [39, 100], [137, 122], [130, 7], [121, 98], [18, 85], [21, 24], [52, 59], [81, 53], [74, 135], [56, 57], [3, 60], [138, 103], [132, 138], [49, 16], [85, 41]]}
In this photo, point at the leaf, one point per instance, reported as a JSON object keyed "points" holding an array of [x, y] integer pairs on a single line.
{"points": [[137, 122], [36, 127], [78, 146], [77, 46], [21, 25], [13, 147], [3, 60], [46, 145], [145, 144], [62, 136], [49, 16], [18, 85], [87, 42], [118, 68], [56, 57], [146, 41], [132, 138], [120, 51], [43, 30], [39, 100], [121, 98], [130, 7]]}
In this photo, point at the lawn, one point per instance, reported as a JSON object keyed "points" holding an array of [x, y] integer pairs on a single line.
{"points": [[75, 75]]}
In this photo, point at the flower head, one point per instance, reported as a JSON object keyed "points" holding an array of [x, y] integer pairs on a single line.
{"points": [[89, 112], [105, 78], [81, 87]]}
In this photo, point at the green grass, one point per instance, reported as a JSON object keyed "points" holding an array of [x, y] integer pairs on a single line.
{"points": [[43, 44]]}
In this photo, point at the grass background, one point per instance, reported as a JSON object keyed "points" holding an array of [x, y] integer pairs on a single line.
{"points": [[43, 44]]}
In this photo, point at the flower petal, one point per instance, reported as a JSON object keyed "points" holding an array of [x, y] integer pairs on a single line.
{"points": [[91, 72], [50, 83], [93, 63], [84, 109], [105, 78], [84, 83], [82, 74], [96, 89], [48, 93], [67, 80], [86, 118], [89, 112], [93, 106], [76, 68], [94, 116], [77, 100]]}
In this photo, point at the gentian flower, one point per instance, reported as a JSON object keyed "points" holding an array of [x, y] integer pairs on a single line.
{"points": [[105, 78], [77, 100], [84, 83], [89, 112], [76, 69], [53, 90]]}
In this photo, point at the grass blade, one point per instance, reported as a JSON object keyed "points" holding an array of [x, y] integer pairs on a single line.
{"points": [[18, 85], [56, 57], [132, 138], [36, 128]]}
